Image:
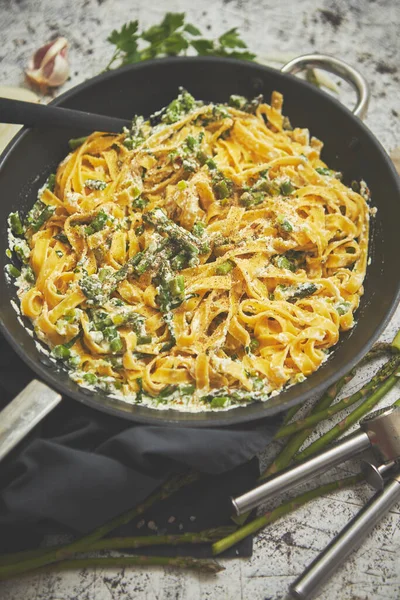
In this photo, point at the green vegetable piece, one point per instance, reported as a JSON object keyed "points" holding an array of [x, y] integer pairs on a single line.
{"points": [[179, 107], [254, 344], [286, 188], [219, 401], [29, 275], [39, 214], [282, 262], [238, 102], [211, 164], [90, 378], [62, 352], [139, 230], [116, 344], [23, 251], [182, 185], [324, 171], [177, 285], [74, 143], [61, 237], [98, 223], [224, 268], [95, 184], [110, 333], [15, 223], [221, 189], [51, 182], [187, 390], [343, 307], [302, 290], [13, 271], [202, 157], [144, 339], [139, 203], [284, 224], [198, 229]]}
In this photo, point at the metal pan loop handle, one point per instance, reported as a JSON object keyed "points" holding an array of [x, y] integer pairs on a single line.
{"points": [[337, 67]]}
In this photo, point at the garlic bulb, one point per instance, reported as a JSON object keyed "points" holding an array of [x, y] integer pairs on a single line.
{"points": [[49, 65]]}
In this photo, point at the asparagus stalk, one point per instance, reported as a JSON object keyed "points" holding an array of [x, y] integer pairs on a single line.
{"points": [[353, 417], [118, 543], [297, 440], [82, 544], [180, 562], [280, 511], [317, 417]]}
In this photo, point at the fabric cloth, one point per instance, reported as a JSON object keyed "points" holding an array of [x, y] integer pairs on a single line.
{"points": [[80, 467]]}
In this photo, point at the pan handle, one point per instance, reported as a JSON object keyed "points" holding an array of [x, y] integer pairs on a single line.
{"points": [[338, 67], [24, 412]]}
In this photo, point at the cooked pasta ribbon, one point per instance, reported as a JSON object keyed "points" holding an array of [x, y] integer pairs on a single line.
{"points": [[203, 262]]}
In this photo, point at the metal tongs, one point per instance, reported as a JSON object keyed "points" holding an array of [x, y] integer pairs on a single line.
{"points": [[380, 431]]}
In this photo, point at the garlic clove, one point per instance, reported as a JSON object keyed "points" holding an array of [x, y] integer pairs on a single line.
{"points": [[49, 65]]}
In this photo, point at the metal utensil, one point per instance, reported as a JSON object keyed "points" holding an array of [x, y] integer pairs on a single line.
{"points": [[42, 115], [347, 540], [379, 431]]}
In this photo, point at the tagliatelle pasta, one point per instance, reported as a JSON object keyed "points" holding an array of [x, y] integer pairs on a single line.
{"points": [[203, 259]]}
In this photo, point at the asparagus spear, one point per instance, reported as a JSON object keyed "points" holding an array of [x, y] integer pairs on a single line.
{"points": [[317, 417], [118, 543], [353, 417], [185, 239], [269, 517], [82, 544], [180, 562]]}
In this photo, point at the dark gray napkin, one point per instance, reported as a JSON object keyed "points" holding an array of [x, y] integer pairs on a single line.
{"points": [[81, 467]]}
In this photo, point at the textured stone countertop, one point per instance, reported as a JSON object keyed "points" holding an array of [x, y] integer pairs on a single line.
{"points": [[364, 33]]}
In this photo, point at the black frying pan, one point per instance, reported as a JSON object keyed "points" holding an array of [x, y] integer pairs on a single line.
{"points": [[144, 88]]}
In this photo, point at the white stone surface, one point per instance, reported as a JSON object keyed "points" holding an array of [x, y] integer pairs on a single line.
{"points": [[366, 34]]}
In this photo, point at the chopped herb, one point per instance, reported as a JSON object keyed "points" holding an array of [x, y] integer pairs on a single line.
{"points": [[15, 223], [74, 143], [135, 136]]}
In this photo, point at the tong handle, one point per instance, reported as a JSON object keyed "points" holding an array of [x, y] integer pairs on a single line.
{"points": [[303, 472], [348, 539]]}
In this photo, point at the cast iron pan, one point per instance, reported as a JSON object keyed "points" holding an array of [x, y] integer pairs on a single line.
{"points": [[144, 88]]}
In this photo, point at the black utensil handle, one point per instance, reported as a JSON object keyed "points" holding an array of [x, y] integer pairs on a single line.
{"points": [[41, 115], [21, 415], [337, 67]]}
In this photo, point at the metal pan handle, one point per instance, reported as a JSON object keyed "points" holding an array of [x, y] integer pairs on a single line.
{"points": [[338, 67], [25, 411]]}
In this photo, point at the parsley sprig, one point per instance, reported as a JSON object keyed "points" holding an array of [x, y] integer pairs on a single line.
{"points": [[172, 37]]}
